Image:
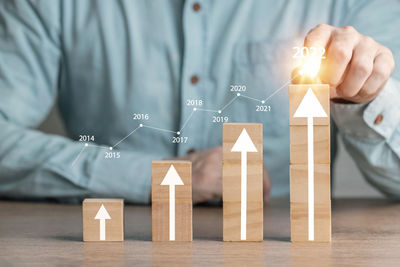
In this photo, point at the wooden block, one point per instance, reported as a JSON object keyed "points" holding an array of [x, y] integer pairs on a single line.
{"points": [[298, 144], [296, 94], [162, 188], [299, 203], [103, 219], [232, 179]]}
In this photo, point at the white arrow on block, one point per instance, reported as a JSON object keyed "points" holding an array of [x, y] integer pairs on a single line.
{"points": [[102, 215], [172, 179], [243, 144], [309, 108]]}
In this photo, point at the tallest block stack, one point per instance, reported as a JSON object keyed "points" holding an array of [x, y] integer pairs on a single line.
{"points": [[299, 214]]}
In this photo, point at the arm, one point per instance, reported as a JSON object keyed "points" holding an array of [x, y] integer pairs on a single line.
{"points": [[359, 65], [37, 165], [374, 147]]}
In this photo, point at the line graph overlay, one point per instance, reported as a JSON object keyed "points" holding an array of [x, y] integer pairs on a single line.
{"points": [[238, 95]]}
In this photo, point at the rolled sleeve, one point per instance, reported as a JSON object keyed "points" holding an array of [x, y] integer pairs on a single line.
{"points": [[359, 120], [133, 183], [371, 134]]}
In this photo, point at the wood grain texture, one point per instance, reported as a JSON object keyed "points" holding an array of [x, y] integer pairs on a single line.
{"points": [[296, 94], [114, 226], [299, 167], [298, 144], [365, 233], [183, 201], [232, 183], [299, 203]]}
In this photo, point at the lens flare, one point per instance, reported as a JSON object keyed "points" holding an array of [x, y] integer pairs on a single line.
{"points": [[310, 66]]}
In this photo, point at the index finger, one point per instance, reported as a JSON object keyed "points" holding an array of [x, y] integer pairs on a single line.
{"points": [[318, 36]]}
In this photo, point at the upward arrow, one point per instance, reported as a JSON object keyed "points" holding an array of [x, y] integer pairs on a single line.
{"points": [[309, 108], [243, 144], [172, 178], [102, 215]]}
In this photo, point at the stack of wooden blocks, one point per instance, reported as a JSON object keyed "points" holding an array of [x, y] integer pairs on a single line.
{"points": [[242, 183], [299, 167], [171, 193], [236, 192]]}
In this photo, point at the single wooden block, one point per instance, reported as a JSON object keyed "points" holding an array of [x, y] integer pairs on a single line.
{"points": [[299, 203], [238, 147], [171, 182], [296, 95], [103, 219], [299, 148]]}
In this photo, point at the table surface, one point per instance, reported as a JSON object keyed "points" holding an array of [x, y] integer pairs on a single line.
{"points": [[365, 233]]}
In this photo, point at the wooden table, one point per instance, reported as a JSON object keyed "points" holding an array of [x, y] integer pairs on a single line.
{"points": [[365, 233]]}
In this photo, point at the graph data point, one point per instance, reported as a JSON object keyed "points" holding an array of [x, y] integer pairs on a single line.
{"points": [[86, 144], [263, 102], [219, 111], [178, 133], [194, 109], [238, 94], [110, 148], [140, 125]]}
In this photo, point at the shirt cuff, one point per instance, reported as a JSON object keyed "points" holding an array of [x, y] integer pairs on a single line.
{"points": [[128, 177], [360, 119]]}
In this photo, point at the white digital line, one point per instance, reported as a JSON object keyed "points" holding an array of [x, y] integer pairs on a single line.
{"points": [[77, 157], [252, 98], [207, 110], [126, 136], [280, 88], [90, 145], [187, 120], [155, 128], [230, 102]]}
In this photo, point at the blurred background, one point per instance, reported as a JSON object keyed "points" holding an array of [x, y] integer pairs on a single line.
{"points": [[348, 181]]}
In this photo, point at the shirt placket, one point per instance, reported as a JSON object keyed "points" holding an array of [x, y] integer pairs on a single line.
{"points": [[193, 75]]}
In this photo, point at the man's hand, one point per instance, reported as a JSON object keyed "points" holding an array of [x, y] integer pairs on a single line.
{"points": [[207, 175], [356, 66]]}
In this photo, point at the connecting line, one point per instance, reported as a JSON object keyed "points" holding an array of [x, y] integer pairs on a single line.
{"points": [[140, 126], [207, 110], [155, 128], [144, 126], [77, 157], [252, 98], [187, 120], [280, 88], [90, 145], [229, 103], [83, 148]]}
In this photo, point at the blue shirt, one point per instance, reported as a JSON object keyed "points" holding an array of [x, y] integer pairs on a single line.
{"points": [[104, 61]]}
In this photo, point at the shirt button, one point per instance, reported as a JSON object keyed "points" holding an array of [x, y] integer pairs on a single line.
{"points": [[194, 79], [196, 7], [378, 119], [190, 151]]}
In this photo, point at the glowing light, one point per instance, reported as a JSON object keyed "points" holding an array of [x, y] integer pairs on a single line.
{"points": [[310, 66]]}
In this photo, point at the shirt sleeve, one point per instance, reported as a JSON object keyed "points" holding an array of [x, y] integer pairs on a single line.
{"points": [[38, 165], [373, 143]]}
